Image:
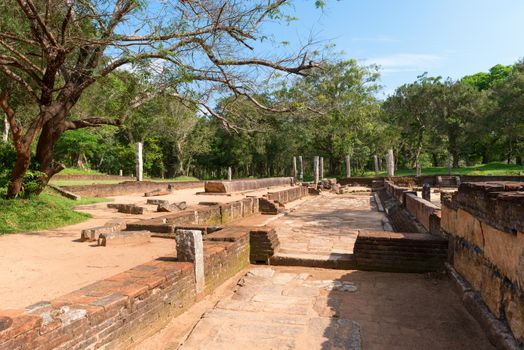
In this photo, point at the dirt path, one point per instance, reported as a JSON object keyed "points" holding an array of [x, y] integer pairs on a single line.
{"points": [[43, 265]]}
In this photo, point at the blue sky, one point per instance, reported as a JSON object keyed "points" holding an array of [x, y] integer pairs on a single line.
{"points": [[410, 37]]}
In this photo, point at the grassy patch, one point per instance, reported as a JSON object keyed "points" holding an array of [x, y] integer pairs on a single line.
{"points": [[72, 182], [60, 182], [79, 171], [493, 169], [46, 211]]}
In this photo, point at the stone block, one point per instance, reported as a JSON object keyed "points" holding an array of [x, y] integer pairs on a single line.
{"points": [[469, 228], [190, 248], [167, 208], [514, 311], [506, 251], [124, 238], [157, 201], [92, 234]]}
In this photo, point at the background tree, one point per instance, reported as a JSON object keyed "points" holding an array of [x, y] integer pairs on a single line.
{"points": [[55, 50]]}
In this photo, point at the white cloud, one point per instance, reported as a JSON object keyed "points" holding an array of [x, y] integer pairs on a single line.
{"points": [[405, 62]]}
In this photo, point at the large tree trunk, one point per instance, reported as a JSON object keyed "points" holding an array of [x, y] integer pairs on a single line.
{"points": [[23, 159], [49, 136]]}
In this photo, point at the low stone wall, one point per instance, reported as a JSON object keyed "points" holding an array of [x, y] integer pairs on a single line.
{"points": [[485, 222], [246, 185], [360, 181], [288, 195], [420, 209], [129, 187], [123, 309], [201, 215]]}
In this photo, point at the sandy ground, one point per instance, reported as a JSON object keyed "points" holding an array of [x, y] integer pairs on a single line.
{"points": [[44, 265], [308, 308]]}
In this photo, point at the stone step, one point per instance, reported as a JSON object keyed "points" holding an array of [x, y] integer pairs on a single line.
{"points": [[328, 261]]}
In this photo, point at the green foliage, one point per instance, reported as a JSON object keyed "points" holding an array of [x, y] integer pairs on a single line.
{"points": [[46, 211]]}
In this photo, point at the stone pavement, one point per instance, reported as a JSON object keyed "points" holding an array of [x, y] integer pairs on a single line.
{"points": [[306, 308], [325, 227]]}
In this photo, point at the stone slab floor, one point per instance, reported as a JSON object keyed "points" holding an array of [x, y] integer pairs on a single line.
{"points": [[308, 308], [326, 226]]}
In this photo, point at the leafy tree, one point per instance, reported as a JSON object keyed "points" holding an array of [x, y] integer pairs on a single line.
{"points": [[55, 50]]}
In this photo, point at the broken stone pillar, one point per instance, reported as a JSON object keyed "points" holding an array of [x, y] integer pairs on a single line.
{"points": [[315, 169], [321, 168], [301, 168], [295, 168], [5, 134], [190, 248], [348, 166], [229, 174], [139, 162], [426, 192], [418, 169], [375, 163], [390, 160]]}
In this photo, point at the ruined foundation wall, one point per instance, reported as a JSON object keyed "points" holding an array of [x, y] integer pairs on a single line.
{"points": [[246, 185], [288, 195], [119, 311], [129, 187], [485, 222]]}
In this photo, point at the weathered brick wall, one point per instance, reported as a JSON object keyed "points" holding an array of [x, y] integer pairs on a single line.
{"points": [[246, 185], [108, 312], [128, 187], [420, 209], [123, 309], [288, 195], [201, 215], [485, 222]]}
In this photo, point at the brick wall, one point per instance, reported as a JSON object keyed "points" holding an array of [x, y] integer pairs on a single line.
{"points": [[123, 309], [288, 195], [246, 185], [420, 209], [485, 222]]}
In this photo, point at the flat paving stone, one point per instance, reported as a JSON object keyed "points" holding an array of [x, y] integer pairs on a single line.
{"points": [[306, 308], [326, 226]]}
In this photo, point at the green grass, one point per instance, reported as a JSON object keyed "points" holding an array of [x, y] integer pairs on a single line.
{"points": [[494, 169], [79, 171], [60, 182], [49, 210], [72, 182]]}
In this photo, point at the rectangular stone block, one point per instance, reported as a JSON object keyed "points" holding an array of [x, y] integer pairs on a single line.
{"points": [[190, 248], [124, 238]]}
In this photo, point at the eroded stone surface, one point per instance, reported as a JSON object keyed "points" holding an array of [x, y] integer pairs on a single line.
{"points": [[304, 308], [326, 228]]}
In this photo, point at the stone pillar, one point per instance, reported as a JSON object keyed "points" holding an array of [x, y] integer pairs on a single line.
{"points": [[321, 168], [449, 164], [390, 160], [315, 169], [418, 169], [139, 162], [301, 168], [375, 164], [426, 192], [229, 174], [190, 248], [121, 172], [5, 134], [295, 168], [348, 166]]}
